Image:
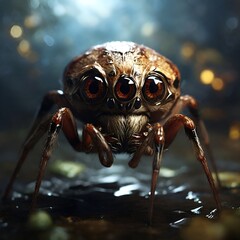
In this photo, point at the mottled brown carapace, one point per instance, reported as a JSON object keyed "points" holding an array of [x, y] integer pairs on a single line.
{"points": [[128, 98]]}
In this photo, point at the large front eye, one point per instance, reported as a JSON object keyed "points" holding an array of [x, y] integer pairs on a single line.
{"points": [[154, 88], [93, 86], [125, 88]]}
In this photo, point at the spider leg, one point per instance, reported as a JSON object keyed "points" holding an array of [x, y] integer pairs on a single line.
{"points": [[192, 105], [93, 140], [49, 145], [52, 98], [102, 147], [156, 139], [39, 128], [142, 149], [64, 120], [159, 147], [171, 129]]}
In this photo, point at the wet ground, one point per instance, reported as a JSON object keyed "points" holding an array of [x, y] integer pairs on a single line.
{"points": [[80, 199]]}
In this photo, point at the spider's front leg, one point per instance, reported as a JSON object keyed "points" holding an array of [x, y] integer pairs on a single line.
{"points": [[160, 138], [39, 128], [64, 120], [171, 128], [155, 140], [192, 105]]}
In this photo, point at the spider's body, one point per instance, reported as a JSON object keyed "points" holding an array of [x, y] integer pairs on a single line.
{"points": [[128, 98]]}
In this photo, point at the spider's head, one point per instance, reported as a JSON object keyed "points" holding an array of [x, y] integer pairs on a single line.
{"points": [[122, 78]]}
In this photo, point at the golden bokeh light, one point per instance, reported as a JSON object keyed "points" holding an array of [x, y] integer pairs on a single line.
{"points": [[207, 76], [210, 56], [234, 131], [217, 84], [24, 50], [31, 21], [16, 31], [187, 50], [23, 47]]}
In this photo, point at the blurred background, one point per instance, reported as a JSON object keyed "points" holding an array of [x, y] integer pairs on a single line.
{"points": [[38, 38]]}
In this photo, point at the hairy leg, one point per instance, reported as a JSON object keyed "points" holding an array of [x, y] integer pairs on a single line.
{"points": [[155, 139], [64, 120], [171, 128], [192, 105], [39, 128]]}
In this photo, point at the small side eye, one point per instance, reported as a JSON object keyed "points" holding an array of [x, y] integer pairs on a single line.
{"points": [[125, 88], [93, 86], [154, 88]]}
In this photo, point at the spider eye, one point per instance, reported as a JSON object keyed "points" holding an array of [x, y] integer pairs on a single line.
{"points": [[125, 88], [154, 88], [93, 86]]}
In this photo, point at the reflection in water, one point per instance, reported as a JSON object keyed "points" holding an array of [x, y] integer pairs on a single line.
{"points": [[193, 196], [127, 190], [197, 210], [116, 197], [179, 223], [177, 189]]}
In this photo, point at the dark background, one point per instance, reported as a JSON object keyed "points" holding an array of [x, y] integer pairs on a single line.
{"points": [[196, 35]]}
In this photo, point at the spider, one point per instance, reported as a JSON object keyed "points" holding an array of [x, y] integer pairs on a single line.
{"points": [[128, 98]]}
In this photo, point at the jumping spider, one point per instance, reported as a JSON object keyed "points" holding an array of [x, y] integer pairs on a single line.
{"points": [[128, 97]]}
